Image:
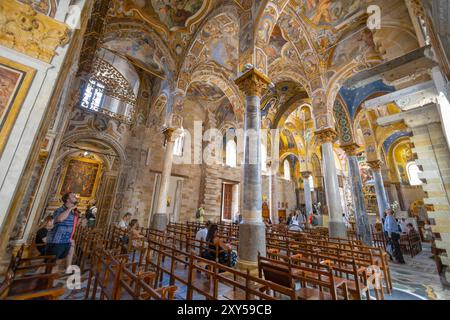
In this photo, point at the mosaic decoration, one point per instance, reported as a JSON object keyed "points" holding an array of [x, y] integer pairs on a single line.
{"points": [[343, 123], [354, 97], [204, 91], [392, 138]]}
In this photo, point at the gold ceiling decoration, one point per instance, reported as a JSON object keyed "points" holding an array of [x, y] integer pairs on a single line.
{"points": [[115, 83], [29, 32]]}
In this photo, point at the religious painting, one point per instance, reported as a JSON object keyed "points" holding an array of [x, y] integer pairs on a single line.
{"points": [[173, 14], [15, 80], [276, 43], [47, 7], [356, 45], [81, 177], [205, 91], [140, 48], [330, 12]]}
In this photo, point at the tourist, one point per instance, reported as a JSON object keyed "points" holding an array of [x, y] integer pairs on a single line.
{"points": [[123, 223], [82, 222], [392, 230], [345, 219], [201, 235], [41, 235], [428, 233], [294, 226], [200, 213], [225, 255], [288, 222], [410, 229], [136, 236], [91, 214], [60, 238], [403, 225]]}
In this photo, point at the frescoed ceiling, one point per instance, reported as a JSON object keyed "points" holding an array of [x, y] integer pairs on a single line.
{"points": [[204, 91]]}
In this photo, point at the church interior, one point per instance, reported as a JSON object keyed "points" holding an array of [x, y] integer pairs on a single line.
{"points": [[308, 139]]}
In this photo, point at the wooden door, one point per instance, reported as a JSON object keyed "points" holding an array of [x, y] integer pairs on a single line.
{"points": [[227, 195]]}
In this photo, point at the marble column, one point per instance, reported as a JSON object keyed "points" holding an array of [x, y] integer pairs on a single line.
{"points": [[382, 200], [336, 223], [297, 198], [307, 193], [252, 231], [273, 185], [160, 218], [361, 217]]}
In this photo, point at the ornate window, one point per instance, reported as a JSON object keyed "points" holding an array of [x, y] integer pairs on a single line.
{"points": [[413, 173], [93, 95]]}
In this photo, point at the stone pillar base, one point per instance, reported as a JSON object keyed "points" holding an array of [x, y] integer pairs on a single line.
{"points": [[252, 239], [159, 221], [243, 266], [337, 229]]}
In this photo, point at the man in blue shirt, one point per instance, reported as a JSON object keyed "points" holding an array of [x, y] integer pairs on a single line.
{"points": [[59, 239], [392, 229]]}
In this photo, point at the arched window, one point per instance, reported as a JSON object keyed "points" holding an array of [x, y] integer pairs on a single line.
{"points": [[287, 170], [311, 183], [231, 154], [93, 95], [263, 158], [178, 146], [413, 173]]}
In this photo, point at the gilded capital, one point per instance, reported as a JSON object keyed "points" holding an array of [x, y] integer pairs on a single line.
{"points": [[253, 82], [326, 135], [305, 174], [168, 133], [30, 32], [375, 164], [350, 149]]}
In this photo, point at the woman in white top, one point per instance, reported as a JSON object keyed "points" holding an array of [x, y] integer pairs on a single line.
{"points": [[123, 223]]}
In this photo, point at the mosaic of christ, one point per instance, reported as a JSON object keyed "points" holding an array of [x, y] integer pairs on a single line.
{"points": [[80, 178], [172, 13]]}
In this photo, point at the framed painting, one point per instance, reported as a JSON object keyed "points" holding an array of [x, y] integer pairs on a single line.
{"points": [[15, 80], [81, 176]]}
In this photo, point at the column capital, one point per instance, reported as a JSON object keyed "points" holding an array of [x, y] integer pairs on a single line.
{"points": [[326, 135], [305, 174], [168, 133], [375, 164], [350, 149], [252, 82]]}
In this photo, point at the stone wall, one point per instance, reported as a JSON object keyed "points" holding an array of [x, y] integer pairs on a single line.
{"points": [[434, 158]]}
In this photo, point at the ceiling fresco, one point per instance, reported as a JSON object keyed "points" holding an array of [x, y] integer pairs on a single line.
{"points": [[204, 91]]}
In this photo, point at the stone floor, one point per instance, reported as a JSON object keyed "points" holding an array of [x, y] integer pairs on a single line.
{"points": [[415, 280]]}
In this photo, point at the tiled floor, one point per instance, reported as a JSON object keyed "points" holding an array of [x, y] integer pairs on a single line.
{"points": [[415, 280]]}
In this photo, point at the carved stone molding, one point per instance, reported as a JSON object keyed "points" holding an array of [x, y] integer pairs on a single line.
{"points": [[252, 82], [29, 32], [350, 149], [326, 135]]}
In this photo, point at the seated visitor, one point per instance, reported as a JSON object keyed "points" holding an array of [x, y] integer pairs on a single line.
{"points": [[83, 222], [226, 255], [295, 226], [202, 233], [123, 223], [410, 229], [41, 235], [136, 236]]}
